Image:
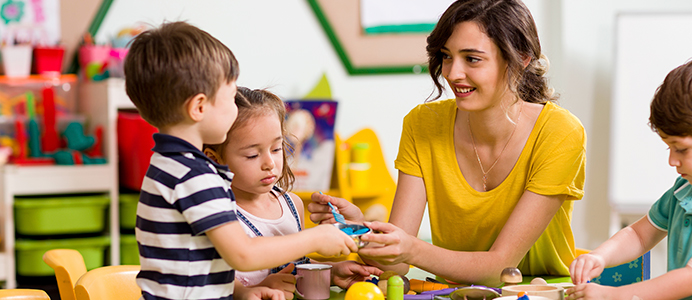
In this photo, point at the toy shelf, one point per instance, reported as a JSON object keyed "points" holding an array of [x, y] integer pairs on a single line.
{"points": [[99, 102]]}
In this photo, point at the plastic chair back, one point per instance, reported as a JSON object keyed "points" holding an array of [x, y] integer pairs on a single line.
{"points": [[68, 265], [627, 273], [23, 294], [109, 282]]}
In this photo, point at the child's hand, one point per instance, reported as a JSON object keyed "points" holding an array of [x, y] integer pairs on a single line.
{"points": [[331, 241], [345, 273], [283, 281], [591, 291], [256, 293], [585, 267], [320, 213]]}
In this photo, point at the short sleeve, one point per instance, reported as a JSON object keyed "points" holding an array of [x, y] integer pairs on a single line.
{"points": [[558, 167], [660, 212], [407, 159]]}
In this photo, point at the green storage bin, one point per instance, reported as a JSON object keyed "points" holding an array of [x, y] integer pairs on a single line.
{"points": [[60, 215], [129, 253], [128, 210], [30, 253]]}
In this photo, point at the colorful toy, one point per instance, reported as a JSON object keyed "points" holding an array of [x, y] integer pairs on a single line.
{"points": [[363, 291], [49, 139], [76, 140], [522, 296], [21, 157], [420, 286], [395, 288]]}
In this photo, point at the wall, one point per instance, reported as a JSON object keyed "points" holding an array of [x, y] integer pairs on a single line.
{"points": [[281, 46]]}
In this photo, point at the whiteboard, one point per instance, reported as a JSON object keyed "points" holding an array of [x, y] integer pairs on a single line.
{"points": [[648, 46]]}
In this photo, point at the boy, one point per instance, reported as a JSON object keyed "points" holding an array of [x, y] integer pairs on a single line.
{"points": [[671, 118], [182, 81]]}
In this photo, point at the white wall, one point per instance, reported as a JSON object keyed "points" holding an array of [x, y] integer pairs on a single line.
{"points": [[281, 46]]}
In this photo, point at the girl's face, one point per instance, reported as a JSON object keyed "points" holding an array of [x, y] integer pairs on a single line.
{"points": [[255, 154], [680, 157], [474, 68]]}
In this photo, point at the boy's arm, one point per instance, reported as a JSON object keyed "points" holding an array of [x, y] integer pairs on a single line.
{"points": [[626, 245], [248, 254], [671, 285]]}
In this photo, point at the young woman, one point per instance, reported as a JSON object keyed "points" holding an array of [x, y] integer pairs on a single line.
{"points": [[498, 166]]}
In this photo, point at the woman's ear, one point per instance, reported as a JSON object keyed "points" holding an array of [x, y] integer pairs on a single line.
{"points": [[526, 61], [195, 107], [213, 155]]}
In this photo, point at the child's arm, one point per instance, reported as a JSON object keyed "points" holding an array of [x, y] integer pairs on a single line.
{"points": [[626, 245], [672, 285], [283, 281], [241, 292], [248, 254], [345, 273]]}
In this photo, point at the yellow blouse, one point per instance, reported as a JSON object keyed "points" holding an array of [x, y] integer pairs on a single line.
{"points": [[463, 219]]}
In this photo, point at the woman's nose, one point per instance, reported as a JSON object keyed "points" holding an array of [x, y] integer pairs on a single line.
{"points": [[455, 70]]}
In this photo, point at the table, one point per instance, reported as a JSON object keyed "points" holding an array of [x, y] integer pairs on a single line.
{"points": [[336, 293]]}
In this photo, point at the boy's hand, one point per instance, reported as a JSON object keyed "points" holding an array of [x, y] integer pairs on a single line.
{"points": [[591, 291], [585, 267], [283, 281], [256, 293], [346, 273], [331, 241], [320, 213]]}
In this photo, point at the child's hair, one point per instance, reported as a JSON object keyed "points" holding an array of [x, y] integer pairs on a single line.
{"points": [[167, 66], [254, 103], [511, 27], [671, 108]]}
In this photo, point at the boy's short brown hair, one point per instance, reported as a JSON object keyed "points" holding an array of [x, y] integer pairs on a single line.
{"points": [[168, 65], [671, 108]]}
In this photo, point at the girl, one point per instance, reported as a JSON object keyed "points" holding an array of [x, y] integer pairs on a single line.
{"points": [[255, 151]]}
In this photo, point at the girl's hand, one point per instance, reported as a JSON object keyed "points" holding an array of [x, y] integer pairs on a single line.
{"points": [[320, 212], [283, 281], [348, 272], [585, 267], [591, 291], [330, 241], [257, 293], [391, 246]]}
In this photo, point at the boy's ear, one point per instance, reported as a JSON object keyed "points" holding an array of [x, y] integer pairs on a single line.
{"points": [[195, 106]]}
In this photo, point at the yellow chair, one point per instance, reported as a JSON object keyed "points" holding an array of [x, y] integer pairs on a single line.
{"points": [[23, 294], [109, 282], [68, 265]]}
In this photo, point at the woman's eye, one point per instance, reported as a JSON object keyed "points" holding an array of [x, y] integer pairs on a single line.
{"points": [[445, 56], [472, 59]]}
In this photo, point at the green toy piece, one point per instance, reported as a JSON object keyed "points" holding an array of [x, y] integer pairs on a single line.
{"points": [[76, 139]]}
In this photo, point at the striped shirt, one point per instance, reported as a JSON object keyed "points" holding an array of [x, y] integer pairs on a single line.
{"points": [[184, 194]]}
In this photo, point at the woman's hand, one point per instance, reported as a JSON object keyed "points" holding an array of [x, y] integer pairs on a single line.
{"points": [[391, 246], [320, 212], [591, 291], [345, 273], [585, 267], [283, 281]]}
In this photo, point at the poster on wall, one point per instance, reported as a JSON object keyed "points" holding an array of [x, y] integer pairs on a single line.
{"points": [[30, 21], [401, 16], [310, 126]]}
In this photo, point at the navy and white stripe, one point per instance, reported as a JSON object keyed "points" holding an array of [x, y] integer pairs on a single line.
{"points": [[183, 195]]}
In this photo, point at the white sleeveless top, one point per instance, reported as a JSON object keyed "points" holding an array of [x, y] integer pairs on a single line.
{"points": [[288, 223]]}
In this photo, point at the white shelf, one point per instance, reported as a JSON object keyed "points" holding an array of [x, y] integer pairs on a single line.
{"points": [[98, 102]]}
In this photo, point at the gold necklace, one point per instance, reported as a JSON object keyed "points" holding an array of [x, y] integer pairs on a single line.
{"points": [[485, 173]]}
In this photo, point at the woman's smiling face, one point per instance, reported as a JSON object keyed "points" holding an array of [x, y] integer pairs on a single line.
{"points": [[474, 68]]}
